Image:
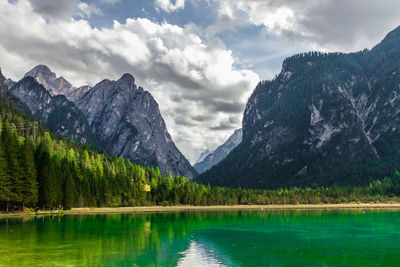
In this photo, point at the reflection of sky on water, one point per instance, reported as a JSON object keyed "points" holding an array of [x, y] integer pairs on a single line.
{"points": [[197, 255], [203, 252]]}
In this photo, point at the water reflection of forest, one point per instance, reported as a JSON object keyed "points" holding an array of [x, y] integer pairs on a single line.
{"points": [[169, 239]]}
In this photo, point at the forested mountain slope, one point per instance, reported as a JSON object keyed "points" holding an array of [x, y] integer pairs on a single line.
{"points": [[326, 119]]}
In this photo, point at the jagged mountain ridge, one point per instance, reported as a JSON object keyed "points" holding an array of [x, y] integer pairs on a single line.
{"points": [[125, 120], [55, 112], [325, 119], [214, 157], [56, 85]]}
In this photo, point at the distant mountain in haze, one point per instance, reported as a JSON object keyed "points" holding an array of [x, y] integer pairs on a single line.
{"points": [[326, 119], [213, 158], [116, 116], [203, 155]]}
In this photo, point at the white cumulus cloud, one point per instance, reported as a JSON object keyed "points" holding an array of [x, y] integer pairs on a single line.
{"points": [[200, 93], [87, 10], [169, 6], [325, 24]]}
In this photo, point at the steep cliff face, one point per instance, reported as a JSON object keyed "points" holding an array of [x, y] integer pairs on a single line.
{"points": [[9, 83], [55, 112], [127, 120], [214, 157], [124, 120], [325, 119]]}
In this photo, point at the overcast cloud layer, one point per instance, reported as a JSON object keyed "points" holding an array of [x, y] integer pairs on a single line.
{"points": [[326, 24], [201, 76]]}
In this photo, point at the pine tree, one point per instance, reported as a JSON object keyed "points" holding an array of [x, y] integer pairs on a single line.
{"points": [[99, 165], [15, 169], [68, 186], [86, 160], [56, 184], [45, 176], [30, 185], [4, 178]]}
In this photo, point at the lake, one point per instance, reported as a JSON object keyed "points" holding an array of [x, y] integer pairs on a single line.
{"points": [[222, 238]]}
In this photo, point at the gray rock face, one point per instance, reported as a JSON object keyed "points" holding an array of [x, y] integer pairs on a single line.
{"points": [[55, 112], [213, 158], [6, 95], [325, 119], [125, 120], [9, 83], [36, 98], [128, 121]]}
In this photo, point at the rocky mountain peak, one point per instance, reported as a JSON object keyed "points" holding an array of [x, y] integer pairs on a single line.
{"points": [[126, 82], [41, 70], [127, 120], [56, 86], [127, 77]]}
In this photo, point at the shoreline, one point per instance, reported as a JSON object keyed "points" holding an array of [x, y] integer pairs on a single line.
{"points": [[87, 211]]}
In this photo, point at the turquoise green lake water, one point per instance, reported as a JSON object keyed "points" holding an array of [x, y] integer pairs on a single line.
{"points": [[227, 238]]}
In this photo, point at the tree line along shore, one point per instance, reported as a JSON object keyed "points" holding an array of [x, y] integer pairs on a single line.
{"points": [[184, 208]]}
